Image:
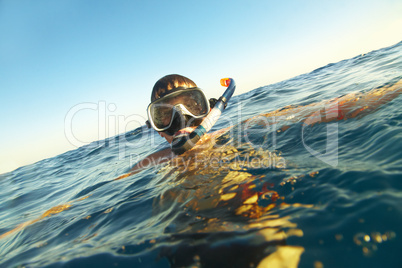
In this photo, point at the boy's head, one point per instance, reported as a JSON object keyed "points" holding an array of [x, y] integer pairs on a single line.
{"points": [[176, 103], [169, 82]]}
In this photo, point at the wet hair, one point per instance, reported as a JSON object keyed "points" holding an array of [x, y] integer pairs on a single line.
{"points": [[169, 82]]}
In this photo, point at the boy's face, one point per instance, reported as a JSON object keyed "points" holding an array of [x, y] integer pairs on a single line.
{"points": [[196, 103]]}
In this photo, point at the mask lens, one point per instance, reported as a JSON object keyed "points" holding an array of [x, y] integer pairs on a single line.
{"points": [[161, 114], [194, 101]]}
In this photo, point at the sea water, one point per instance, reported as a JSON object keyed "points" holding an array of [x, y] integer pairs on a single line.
{"points": [[271, 190]]}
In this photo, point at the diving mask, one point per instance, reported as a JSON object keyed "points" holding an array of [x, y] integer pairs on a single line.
{"points": [[181, 108]]}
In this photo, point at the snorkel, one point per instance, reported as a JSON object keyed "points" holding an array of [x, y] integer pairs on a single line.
{"points": [[184, 142]]}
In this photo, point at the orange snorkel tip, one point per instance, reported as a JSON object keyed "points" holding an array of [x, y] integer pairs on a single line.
{"points": [[225, 82]]}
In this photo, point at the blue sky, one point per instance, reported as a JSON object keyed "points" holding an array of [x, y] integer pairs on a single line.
{"points": [[55, 55]]}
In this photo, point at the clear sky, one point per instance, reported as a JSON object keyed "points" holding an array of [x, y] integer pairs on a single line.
{"points": [[59, 56]]}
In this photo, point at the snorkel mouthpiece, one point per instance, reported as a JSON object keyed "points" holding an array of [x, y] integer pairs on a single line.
{"points": [[184, 142]]}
